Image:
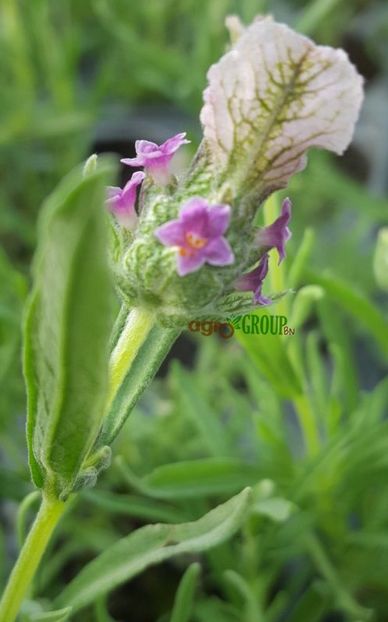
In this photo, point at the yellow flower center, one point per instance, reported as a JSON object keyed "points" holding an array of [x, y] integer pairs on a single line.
{"points": [[195, 241]]}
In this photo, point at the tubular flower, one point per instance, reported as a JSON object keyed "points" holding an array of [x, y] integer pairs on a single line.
{"points": [[122, 201], [156, 158], [277, 234], [253, 282], [198, 235]]}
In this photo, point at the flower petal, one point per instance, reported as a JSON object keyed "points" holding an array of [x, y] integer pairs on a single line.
{"points": [[271, 97], [277, 234], [219, 217], [133, 183], [138, 161], [253, 281], [171, 233], [112, 191], [189, 263], [219, 253], [172, 144], [145, 146], [194, 216]]}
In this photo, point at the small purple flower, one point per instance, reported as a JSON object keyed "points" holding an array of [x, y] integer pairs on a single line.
{"points": [[277, 234], [253, 281], [156, 158], [122, 201], [198, 235]]}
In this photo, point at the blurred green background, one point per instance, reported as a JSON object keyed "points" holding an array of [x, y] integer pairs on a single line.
{"points": [[302, 420]]}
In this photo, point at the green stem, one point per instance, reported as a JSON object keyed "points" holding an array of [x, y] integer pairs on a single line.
{"points": [[140, 351], [140, 339], [139, 323], [35, 545]]}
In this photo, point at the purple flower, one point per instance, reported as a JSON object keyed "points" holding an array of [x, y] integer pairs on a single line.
{"points": [[198, 235], [253, 281], [122, 201], [277, 234], [156, 158]]}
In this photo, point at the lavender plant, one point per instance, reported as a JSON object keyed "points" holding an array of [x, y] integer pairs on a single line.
{"points": [[184, 249]]}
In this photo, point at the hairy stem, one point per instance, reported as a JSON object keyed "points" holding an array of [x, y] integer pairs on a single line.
{"points": [[138, 325], [31, 553]]}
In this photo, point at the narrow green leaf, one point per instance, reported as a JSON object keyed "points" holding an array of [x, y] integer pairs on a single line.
{"points": [[311, 606], [356, 305], [252, 609], [194, 478], [151, 545], [33, 613], [183, 603], [269, 354], [276, 508], [131, 505], [67, 330], [317, 375], [198, 411], [303, 304], [302, 257], [337, 333]]}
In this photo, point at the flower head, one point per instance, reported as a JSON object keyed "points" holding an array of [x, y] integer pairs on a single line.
{"points": [[122, 201], [156, 158], [253, 281], [274, 95], [277, 234], [198, 235]]}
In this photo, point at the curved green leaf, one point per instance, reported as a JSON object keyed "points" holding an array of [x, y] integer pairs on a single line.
{"points": [[194, 478], [152, 545], [66, 339], [183, 603]]}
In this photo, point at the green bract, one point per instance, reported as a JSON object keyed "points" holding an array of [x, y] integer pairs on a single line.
{"points": [[67, 331]]}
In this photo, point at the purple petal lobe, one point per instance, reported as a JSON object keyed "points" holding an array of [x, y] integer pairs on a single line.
{"points": [[171, 233], [145, 146], [189, 263], [253, 281], [139, 161], [219, 217], [219, 253], [112, 191], [194, 217], [172, 144]]}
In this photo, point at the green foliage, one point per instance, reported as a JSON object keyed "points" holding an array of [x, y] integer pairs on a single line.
{"points": [[152, 545], [183, 604], [67, 332], [61, 615]]}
